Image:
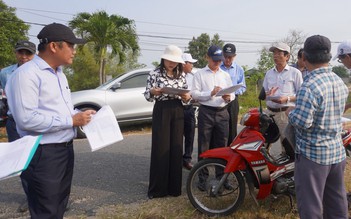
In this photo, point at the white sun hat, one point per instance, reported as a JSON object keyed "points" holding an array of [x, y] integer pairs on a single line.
{"points": [[173, 53], [188, 58], [281, 46]]}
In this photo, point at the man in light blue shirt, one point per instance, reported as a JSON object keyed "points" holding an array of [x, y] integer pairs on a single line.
{"points": [[238, 77], [40, 101], [24, 51]]}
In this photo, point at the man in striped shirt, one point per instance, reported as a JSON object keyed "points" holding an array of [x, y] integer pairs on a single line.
{"points": [[320, 155]]}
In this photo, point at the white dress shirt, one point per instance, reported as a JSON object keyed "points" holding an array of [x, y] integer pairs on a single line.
{"points": [[40, 102], [204, 82]]}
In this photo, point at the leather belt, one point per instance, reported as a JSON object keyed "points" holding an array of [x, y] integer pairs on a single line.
{"points": [[62, 144], [215, 108], [277, 110]]}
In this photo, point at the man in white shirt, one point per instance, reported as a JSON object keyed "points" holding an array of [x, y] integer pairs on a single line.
{"points": [[213, 127], [281, 84], [213, 119]]}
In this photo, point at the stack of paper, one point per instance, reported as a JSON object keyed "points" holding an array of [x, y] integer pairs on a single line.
{"points": [[103, 129], [16, 156]]}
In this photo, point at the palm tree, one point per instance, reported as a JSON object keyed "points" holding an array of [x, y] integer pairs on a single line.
{"points": [[109, 34]]}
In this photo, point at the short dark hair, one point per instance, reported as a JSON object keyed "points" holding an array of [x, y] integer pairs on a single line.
{"points": [[299, 53], [318, 58]]}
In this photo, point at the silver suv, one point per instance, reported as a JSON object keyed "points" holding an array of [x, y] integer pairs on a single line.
{"points": [[124, 94]]}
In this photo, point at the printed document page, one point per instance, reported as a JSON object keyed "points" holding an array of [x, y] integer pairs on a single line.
{"points": [[171, 90], [16, 156], [229, 90], [103, 129]]}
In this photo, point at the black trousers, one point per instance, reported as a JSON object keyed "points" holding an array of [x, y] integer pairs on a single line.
{"points": [[212, 128], [166, 149], [11, 130], [49, 178], [189, 132], [233, 110]]}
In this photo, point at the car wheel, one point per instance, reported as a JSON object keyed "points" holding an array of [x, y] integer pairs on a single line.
{"points": [[80, 131]]}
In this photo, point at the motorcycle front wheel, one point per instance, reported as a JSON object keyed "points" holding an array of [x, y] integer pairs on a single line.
{"points": [[203, 188]]}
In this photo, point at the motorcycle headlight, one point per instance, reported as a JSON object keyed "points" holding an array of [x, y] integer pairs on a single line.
{"points": [[244, 119]]}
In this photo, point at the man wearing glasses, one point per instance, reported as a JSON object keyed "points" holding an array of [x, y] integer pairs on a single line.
{"points": [[40, 101], [237, 75], [343, 56]]}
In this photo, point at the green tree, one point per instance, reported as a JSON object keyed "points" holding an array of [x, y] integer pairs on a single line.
{"points": [[341, 71], [108, 33], [12, 29], [266, 61], [294, 39], [198, 48], [83, 73]]}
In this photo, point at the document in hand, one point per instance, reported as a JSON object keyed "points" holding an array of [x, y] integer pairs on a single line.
{"points": [[103, 129], [171, 90], [272, 97], [228, 90], [15, 156]]}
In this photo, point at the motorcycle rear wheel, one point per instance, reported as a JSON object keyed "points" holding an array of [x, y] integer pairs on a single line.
{"points": [[203, 180]]}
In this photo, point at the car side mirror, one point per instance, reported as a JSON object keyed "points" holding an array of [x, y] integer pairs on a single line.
{"points": [[262, 95], [116, 86]]}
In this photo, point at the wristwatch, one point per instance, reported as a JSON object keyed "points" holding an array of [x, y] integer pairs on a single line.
{"points": [[288, 99]]}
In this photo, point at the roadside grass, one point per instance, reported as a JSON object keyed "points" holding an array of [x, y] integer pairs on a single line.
{"points": [[181, 208]]}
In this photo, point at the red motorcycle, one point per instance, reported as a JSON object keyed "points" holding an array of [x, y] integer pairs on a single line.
{"points": [[216, 184]]}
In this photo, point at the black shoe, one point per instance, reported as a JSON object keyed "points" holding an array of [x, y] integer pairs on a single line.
{"points": [[187, 165], [23, 206], [68, 206]]}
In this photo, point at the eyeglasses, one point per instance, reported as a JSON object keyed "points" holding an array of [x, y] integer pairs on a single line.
{"points": [[340, 57]]}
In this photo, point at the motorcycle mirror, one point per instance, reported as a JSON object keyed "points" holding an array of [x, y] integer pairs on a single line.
{"points": [[262, 95]]}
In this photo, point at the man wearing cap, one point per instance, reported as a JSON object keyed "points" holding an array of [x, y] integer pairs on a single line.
{"points": [[40, 102], [281, 84], [320, 154], [343, 56], [24, 51], [213, 116], [189, 113], [237, 75]]}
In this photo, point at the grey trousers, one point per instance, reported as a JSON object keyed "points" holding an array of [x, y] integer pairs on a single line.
{"points": [[320, 189]]}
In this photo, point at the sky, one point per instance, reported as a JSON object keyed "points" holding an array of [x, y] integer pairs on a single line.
{"points": [[249, 24]]}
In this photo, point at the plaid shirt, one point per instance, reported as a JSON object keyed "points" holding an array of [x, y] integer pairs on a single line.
{"points": [[317, 117]]}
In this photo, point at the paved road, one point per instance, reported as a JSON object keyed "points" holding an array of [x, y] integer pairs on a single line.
{"points": [[112, 175], [115, 174]]}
